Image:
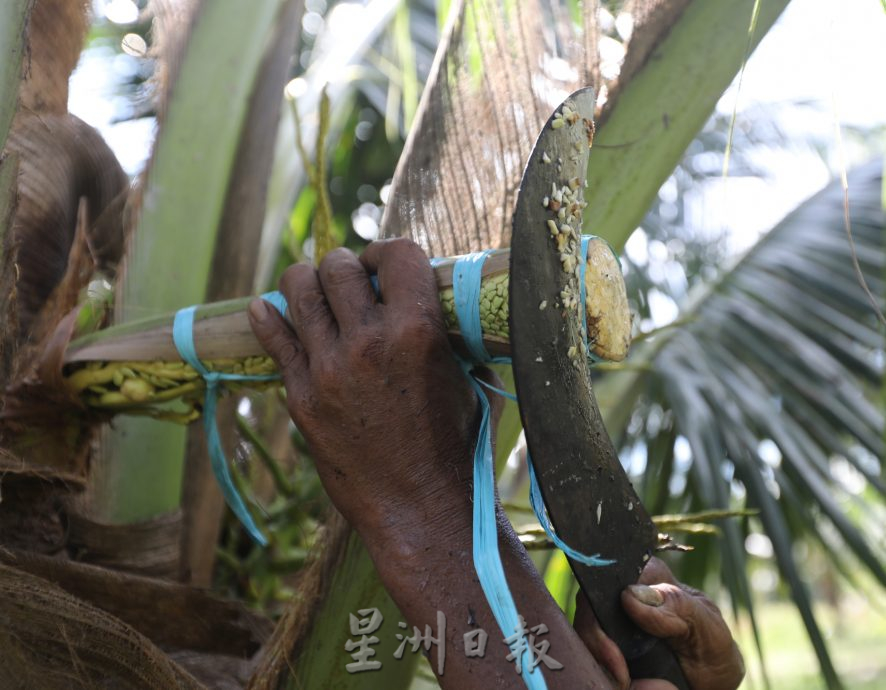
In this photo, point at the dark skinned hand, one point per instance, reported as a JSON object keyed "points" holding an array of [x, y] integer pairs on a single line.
{"points": [[689, 622], [404, 398]]}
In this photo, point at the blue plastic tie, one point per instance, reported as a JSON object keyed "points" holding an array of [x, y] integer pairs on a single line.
{"points": [[535, 498], [487, 560], [538, 506], [183, 336], [467, 277], [467, 273], [276, 300]]}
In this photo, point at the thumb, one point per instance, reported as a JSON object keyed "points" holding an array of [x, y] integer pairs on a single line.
{"points": [[663, 610], [278, 339]]}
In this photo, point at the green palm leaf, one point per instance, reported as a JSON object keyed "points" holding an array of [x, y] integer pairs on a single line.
{"points": [[785, 349]]}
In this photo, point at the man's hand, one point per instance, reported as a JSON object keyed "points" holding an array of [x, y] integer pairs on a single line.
{"points": [[391, 421], [372, 384], [685, 618]]}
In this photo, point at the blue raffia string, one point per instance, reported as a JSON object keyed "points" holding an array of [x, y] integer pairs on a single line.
{"points": [[278, 301], [466, 278], [183, 337], [538, 506]]}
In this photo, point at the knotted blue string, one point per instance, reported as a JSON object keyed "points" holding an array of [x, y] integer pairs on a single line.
{"points": [[183, 337], [467, 273], [535, 498], [467, 277], [538, 506], [487, 560]]}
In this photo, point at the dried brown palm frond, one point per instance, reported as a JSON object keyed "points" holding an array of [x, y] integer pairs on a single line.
{"points": [[501, 68], [60, 160], [65, 222]]}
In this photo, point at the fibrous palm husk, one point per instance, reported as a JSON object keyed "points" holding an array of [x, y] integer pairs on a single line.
{"points": [[52, 640], [65, 223]]}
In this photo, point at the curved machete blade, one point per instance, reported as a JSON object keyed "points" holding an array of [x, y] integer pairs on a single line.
{"points": [[590, 501]]}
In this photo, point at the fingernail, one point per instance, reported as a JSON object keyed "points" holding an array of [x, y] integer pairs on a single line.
{"points": [[259, 309], [646, 595]]}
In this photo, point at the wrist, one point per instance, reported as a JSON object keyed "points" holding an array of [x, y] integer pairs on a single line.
{"points": [[423, 495], [407, 531]]}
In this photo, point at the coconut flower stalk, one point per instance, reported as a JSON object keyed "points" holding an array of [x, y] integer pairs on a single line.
{"points": [[135, 368]]}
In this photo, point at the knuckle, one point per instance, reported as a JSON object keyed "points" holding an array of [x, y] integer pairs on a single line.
{"points": [[334, 273], [288, 353], [369, 347], [681, 603], [402, 244], [309, 306], [419, 334], [404, 249], [336, 255], [293, 275]]}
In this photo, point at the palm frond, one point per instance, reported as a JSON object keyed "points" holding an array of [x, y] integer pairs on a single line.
{"points": [[782, 351]]}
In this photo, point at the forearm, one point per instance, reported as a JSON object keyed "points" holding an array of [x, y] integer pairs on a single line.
{"points": [[427, 572]]}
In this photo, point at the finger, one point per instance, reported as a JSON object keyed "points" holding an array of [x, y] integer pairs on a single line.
{"points": [[279, 341], [308, 309], [662, 610], [601, 647], [655, 572], [346, 285], [405, 277]]}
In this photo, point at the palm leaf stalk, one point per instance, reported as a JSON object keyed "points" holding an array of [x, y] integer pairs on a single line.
{"points": [[13, 19], [167, 268], [684, 75]]}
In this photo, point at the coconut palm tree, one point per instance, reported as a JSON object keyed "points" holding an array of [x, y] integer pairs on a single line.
{"points": [[135, 501]]}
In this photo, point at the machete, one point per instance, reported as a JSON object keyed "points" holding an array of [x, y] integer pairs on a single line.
{"points": [[589, 498]]}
